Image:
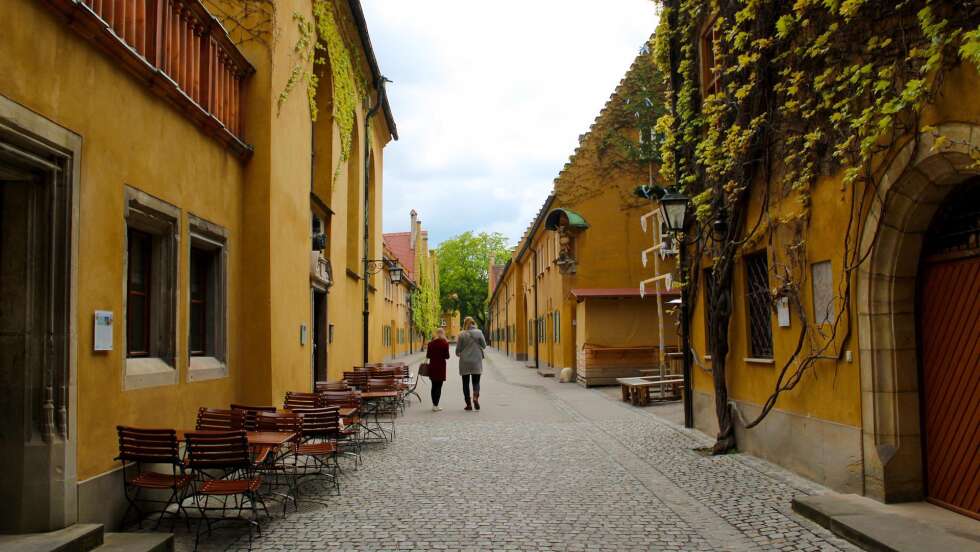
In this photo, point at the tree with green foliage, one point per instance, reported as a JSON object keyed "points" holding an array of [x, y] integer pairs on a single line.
{"points": [[464, 272]]}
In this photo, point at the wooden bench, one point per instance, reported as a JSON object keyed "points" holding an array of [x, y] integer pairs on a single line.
{"points": [[637, 390]]}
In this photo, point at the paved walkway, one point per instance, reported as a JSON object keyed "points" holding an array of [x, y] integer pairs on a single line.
{"points": [[546, 466]]}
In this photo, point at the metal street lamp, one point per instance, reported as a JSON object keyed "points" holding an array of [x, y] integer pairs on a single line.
{"points": [[396, 273], [673, 210]]}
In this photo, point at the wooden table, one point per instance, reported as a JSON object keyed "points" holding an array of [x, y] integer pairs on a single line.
{"points": [[347, 412], [379, 395], [637, 390], [374, 401], [255, 438]]}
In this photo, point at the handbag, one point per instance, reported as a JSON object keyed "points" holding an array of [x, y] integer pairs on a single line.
{"points": [[424, 369]]}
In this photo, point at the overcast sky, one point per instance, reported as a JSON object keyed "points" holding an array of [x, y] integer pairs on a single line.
{"points": [[490, 98]]}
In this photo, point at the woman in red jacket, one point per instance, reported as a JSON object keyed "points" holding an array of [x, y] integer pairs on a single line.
{"points": [[437, 351]]}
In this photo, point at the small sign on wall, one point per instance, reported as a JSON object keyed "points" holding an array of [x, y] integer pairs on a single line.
{"points": [[103, 330], [782, 311]]}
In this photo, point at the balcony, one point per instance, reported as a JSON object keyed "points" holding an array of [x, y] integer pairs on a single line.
{"points": [[180, 50]]}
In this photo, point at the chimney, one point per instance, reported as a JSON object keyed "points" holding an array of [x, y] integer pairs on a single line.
{"points": [[415, 220]]}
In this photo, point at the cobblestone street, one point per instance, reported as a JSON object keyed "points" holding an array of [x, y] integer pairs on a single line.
{"points": [[544, 466]]}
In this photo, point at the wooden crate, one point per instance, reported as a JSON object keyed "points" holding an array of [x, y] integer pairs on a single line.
{"points": [[603, 365]]}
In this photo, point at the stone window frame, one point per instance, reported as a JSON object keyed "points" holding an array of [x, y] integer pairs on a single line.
{"points": [[154, 216], [204, 234]]}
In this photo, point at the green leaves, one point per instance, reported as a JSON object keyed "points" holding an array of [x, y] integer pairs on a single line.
{"points": [[464, 265], [970, 47], [784, 25]]}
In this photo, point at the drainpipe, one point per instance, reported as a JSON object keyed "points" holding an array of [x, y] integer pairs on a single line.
{"points": [[537, 323], [380, 85]]}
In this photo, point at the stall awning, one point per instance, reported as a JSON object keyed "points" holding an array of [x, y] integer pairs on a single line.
{"points": [[575, 220]]}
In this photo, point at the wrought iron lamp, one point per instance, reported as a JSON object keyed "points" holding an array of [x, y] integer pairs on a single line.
{"points": [[376, 266], [673, 209]]}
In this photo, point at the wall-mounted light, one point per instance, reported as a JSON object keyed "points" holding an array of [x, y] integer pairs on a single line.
{"points": [[673, 208], [395, 272]]}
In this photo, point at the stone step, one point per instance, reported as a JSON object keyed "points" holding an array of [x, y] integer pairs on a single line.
{"points": [[137, 542], [80, 537], [885, 528]]}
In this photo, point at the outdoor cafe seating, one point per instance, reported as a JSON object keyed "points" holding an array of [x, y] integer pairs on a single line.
{"points": [[235, 459]]}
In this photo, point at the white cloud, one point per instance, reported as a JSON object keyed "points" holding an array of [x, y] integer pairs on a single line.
{"points": [[490, 98]]}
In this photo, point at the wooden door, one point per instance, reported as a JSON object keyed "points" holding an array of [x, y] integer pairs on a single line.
{"points": [[949, 326]]}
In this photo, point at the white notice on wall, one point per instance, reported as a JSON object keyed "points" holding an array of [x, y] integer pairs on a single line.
{"points": [[103, 331], [782, 311]]}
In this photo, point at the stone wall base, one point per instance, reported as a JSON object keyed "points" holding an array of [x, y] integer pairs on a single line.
{"points": [[822, 451]]}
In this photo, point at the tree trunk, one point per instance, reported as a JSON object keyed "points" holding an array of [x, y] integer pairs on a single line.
{"points": [[719, 318]]}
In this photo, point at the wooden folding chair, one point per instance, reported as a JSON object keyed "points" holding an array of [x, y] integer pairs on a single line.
{"points": [[138, 450], [228, 454], [216, 419]]}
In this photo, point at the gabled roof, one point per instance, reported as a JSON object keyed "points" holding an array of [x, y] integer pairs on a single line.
{"points": [[400, 244]]}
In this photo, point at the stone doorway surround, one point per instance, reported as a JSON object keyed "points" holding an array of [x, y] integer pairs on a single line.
{"points": [[912, 188], [42, 494]]}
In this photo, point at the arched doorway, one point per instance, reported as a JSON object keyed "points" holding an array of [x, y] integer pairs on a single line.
{"points": [[949, 351], [919, 179]]}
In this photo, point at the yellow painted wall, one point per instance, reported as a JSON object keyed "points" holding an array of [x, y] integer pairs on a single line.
{"points": [[507, 304], [133, 138], [49, 69], [608, 253], [452, 324], [832, 390]]}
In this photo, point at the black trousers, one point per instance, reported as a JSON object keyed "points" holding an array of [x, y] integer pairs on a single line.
{"points": [[466, 385], [436, 391]]}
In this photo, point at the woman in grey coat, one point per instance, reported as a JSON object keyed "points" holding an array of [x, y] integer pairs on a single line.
{"points": [[469, 348]]}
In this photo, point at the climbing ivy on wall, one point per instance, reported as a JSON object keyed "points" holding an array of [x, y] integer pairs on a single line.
{"points": [[806, 90], [425, 298], [322, 42]]}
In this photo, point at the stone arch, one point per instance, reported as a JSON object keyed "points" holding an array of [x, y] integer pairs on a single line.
{"points": [[910, 191]]}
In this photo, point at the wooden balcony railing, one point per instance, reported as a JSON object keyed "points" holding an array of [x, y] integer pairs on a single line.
{"points": [[182, 52]]}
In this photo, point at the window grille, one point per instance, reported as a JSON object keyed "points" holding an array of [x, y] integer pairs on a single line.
{"points": [[758, 301]]}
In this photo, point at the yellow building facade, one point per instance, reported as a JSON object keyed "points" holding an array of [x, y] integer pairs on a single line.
{"points": [[414, 303], [879, 413], [205, 236], [855, 424], [581, 259], [451, 323]]}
